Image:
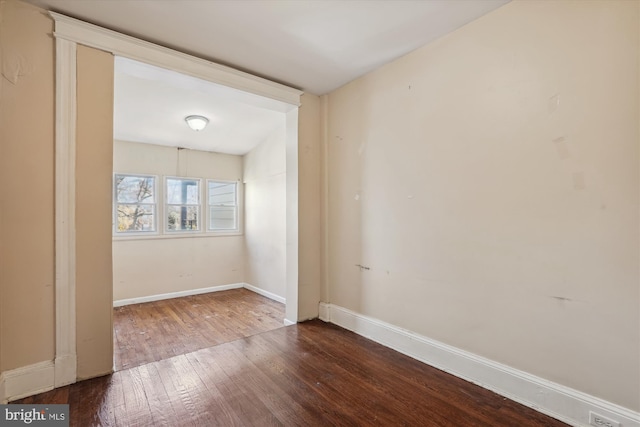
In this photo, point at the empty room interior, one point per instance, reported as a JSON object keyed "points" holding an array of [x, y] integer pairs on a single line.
{"points": [[195, 212], [316, 212]]}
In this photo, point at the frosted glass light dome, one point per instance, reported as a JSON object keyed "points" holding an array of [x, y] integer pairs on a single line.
{"points": [[197, 123]]}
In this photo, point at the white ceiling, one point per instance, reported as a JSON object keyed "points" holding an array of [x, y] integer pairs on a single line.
{"points": [[313, 45], [151, 103]]}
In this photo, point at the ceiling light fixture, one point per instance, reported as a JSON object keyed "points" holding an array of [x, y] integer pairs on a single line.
{"points": [[197, 123]]}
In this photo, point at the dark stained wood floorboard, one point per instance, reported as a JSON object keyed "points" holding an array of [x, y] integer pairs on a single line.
{"points": [[393, 376], [310, 374], [159, 330]]}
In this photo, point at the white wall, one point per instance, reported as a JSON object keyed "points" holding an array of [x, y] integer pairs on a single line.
{"points": [[264, 179], [490, 182], [144, 267]]}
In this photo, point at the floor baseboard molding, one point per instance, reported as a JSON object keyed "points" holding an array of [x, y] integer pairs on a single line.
{"points": [[563, 403], [264, 293], [26, 381], [169, 295]]}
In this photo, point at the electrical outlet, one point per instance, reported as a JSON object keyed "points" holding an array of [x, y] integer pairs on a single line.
{"points": [[600, 421]]}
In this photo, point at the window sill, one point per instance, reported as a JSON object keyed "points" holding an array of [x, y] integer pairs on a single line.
{"points": [[177, 235]]}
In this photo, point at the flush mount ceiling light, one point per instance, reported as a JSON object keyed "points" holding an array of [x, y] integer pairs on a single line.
{"points": [[197, 123]]}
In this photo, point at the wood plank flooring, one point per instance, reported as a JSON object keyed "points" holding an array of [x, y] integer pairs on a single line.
{"points": [[159, 330], [310, 374]]}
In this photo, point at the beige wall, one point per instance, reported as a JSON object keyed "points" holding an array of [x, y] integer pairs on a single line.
{"points": [[490, 182], [144, 267], [26, 197], [265, 173], [309, 207], [94, 148]]}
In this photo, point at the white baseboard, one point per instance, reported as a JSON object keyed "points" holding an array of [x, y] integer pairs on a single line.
{"points": [[323, 311], [288, 322], [158, 297], [26, 381], [560, 402], [265, 293], [169, 295]]}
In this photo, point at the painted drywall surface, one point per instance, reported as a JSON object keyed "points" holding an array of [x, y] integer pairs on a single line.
{"points": [[309, 208], [264, 179], [133, 157], [94, 147], [490, 183], [147, 267], [151, 267], [27, 328]]}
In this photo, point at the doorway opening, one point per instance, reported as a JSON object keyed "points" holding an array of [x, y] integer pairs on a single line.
{"points": [[200, 217]]}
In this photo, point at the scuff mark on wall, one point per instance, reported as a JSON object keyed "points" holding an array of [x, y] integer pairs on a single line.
{"points": [[15, 66], [561, 299], [562, 148], [554, 103]]}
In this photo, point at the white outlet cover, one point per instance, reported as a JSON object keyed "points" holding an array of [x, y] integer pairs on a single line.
{"points": [[602, 421]]}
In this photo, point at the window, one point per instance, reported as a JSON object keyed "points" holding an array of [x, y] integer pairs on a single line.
{"points": [[135, 203], [223, 205], [186, 209], [183, 204]]}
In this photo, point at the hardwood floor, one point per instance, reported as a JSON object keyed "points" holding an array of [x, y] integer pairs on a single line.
{"points": [[310, 374], [159, 330]]}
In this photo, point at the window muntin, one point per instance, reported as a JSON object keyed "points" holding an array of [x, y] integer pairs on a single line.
{"points": [[182, 204], [222, 205], [135, 203]]}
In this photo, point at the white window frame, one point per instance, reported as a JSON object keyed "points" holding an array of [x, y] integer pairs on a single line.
{"points": [[155, 204], [238, 208], [166, 206], [161, 209]]}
